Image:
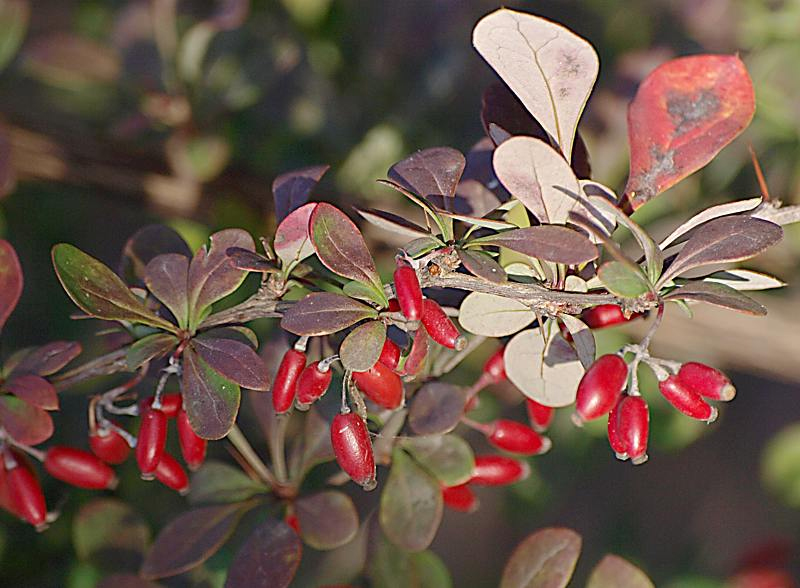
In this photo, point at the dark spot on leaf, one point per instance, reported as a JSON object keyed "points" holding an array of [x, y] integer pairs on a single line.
{"points": [[687, 111]]}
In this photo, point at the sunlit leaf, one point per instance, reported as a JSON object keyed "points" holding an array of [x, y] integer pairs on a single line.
{"points": [[166, 277], [362, 347], [110, 534], [322, 313], [392, 223], [546, 559], [708, 214], [211, 401], [548, 242], [424, 204], [362, 291], [328, 519], [550, 69], [217, 482], [292, 241], [269, 557], [421, 246], [23, 422], [684, 113], [191, 539], [437, 407], [10, 280], [98, 291], [430, 172], [251, 261], [291, 190], [147, 243], [150, 347], [623, 280], [743, 279], [448, 457], [34, 390], [719, 295], [411, 504], [493, 316], [615, 572], [234, 360], [48, 358], [482, 265]]}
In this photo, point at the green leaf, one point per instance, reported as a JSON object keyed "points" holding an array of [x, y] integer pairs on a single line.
{"points": [[110, 534], [411, 504], [211, 401], [362, 347], [390, 567], [98, 291], [623, 280], [328, 519], [365, 292], [217, 482], [615, 572], [447, 457], [545, 559], [780, 465], [14, 17], [150, 347]]}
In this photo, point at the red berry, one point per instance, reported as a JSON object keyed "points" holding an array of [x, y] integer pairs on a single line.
{"points": [[394, 305], [353, 449], [6, 502], [292, 520], [151, 440], [633, 419], [539, 415], [26, 495], [618, 444], [170, 473], [79, 468], [762, 578], [409, 294], [390, 354], [285, 387], [600, 387], [517, 438], [498, 470], [109, 446], [706, 381], [312, 383], [460, 498], [193, 447], [440, 327], [605, 315], [381, 385], [687, 401], [170, 404], [495, 367]]}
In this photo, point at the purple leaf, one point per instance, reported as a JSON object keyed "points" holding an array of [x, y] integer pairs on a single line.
{"points": [[150, 347], [323, 313], [10, 280], [211, 275], [545, 559], [211, 401], [436, 409], [191, 539], [269, 557], [292, 189], [166, 277], [34, 390], [340, 246], [234, 360], [24, 422], [362, 347], [250, 260], [49, 358], [474, 199], [548, 242], [482, 265], [235, 332], [328, 519], [719, 295], [147, 243], [430, 172], [292, 242]]}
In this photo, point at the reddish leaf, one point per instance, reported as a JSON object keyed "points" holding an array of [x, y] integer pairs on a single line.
{"points": [[323, 313], [683, 114], [234, 360], [436, 409], [235, 332], [292, 242], [269, 557], [147, 243], [340, 246], [719, 295], [10, 280], [49, 358], [291, 190], [34, 390], [149, 348], [430, 172], [23, 422], [250, 260], [545, 559], [210, 400], [551, 243], [166, 277]]}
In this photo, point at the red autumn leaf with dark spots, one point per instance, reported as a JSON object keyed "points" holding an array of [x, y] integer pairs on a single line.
{"points": [[683, 114]]}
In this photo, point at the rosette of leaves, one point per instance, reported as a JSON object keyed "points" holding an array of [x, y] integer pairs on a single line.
{"points": [[26, 395], [167, 318]]}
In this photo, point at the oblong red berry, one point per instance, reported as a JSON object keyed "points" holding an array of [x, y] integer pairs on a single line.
{"points": [[170, 473], [495, 367], [109, 446], [687, 401], [539, 415], [706, 381], [353, 449], [390, 354], [440, 327], [605, 315], [79, 468], [170, 404], [394, 305], [618, 444], [515, 437], [633, 422], [381, 385], [600, 387], [193, 447], [498, 470], [312, 383], [26, 495], [409, 294], [151, 440], [284, 389], [460, 498]]}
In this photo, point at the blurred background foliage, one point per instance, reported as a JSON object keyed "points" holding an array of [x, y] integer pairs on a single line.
{"points": [[120, 113]]}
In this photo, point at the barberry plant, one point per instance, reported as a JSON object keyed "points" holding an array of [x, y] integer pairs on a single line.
{"points": [[513, 241]]}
